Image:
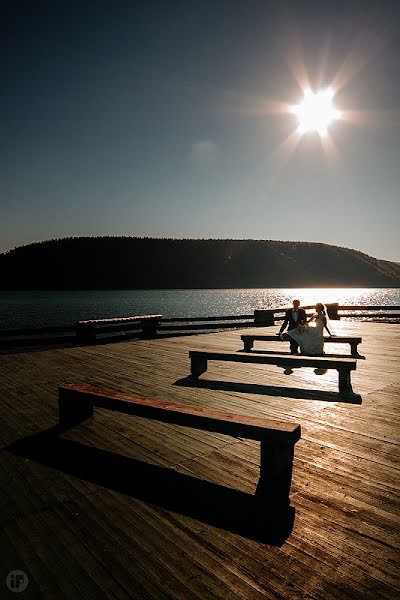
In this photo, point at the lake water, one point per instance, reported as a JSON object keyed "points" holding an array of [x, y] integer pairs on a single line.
{"points": [[41, 308]]}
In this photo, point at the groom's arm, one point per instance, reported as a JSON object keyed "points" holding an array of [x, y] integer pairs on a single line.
{"points": [[303, 317], [284, 324]]}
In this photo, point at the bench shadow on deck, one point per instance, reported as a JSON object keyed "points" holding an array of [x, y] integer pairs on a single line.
{"points": [[269, 390], [286, 353], [233, 510]]}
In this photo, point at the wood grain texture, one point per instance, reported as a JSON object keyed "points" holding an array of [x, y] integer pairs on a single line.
{"points": [[90, 528]]}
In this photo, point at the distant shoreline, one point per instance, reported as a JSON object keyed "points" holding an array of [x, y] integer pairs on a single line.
{"points": [[123, 263]]}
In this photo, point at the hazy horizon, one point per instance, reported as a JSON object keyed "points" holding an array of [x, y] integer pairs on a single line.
{"points": [[172, 120]]}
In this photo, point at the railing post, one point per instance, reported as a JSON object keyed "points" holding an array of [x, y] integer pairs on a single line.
{"points": [[263, 317], [332, 309]]}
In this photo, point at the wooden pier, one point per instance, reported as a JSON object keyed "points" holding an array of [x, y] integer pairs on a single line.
{"points": [[125, 507]]}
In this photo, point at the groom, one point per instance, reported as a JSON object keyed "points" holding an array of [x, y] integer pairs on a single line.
{"points": [[294, 316]]}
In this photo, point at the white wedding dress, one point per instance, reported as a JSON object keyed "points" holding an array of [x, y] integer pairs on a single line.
{"points": [[310, 337]]}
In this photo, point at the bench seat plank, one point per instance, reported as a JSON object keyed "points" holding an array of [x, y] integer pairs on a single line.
{"points": [[248, 341], [76, 403], [321, 362], [209, 419], [327, 338]]}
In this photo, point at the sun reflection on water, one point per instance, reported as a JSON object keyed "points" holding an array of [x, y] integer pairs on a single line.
{"points": [[279, 298], [39, 309]]}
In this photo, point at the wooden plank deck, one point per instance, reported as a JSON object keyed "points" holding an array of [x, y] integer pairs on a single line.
{"points": [[124, 507]]}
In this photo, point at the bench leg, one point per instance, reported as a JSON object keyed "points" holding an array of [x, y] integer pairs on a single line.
{"points": [[353, 346], [276, 465], [344, 381], [198, 366], [248, 345], [85, 334], [263, 317], [150, 328], [73, 409]]}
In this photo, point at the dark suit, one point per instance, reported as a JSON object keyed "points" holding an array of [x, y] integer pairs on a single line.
{"points": [[290, 323]]}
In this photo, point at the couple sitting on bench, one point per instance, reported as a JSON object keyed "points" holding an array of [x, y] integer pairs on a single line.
{"points": [[310, 338]]}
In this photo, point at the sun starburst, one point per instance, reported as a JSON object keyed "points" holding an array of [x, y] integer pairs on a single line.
{"points": [[316, 111]]}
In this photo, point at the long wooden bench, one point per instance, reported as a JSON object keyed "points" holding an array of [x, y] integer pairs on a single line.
{"points": [[76, 403], [248, 341], [86, 331], [344, 366]]}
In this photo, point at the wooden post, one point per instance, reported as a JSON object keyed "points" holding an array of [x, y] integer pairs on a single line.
{"points": [[85, 333], [73, 409], [198, 365], [344, 381], [276, 465], [263, 318], [332, 309]]}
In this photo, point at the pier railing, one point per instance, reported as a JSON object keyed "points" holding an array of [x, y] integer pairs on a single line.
{"points": [[29, 336], [336, 312], [148, 326], [187, 325]]}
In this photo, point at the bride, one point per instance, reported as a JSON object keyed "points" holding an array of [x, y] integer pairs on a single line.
{"points": [[311, 337]]}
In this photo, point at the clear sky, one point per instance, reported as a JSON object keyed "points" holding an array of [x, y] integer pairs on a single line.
{"points": [[171, 119]]}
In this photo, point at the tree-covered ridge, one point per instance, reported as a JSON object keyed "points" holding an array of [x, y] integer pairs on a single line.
{"points": [[140, 263]]}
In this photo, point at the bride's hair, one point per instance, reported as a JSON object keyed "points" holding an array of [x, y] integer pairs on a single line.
{"points": [[324, 312]]}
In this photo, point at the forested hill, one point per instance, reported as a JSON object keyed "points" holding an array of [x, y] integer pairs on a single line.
{"points": [[127, 262]]}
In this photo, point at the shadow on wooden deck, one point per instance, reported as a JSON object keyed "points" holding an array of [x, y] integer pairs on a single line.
{"points": [[30, 344], [244, 514], [25, 349], [269, 390]]}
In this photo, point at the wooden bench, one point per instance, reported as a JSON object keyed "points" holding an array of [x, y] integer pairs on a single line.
{"points": [[248, 341], [344, 366], [76, 403], [86, 331]]}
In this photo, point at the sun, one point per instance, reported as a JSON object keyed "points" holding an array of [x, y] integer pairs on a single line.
{"points": [[316, 111]]}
